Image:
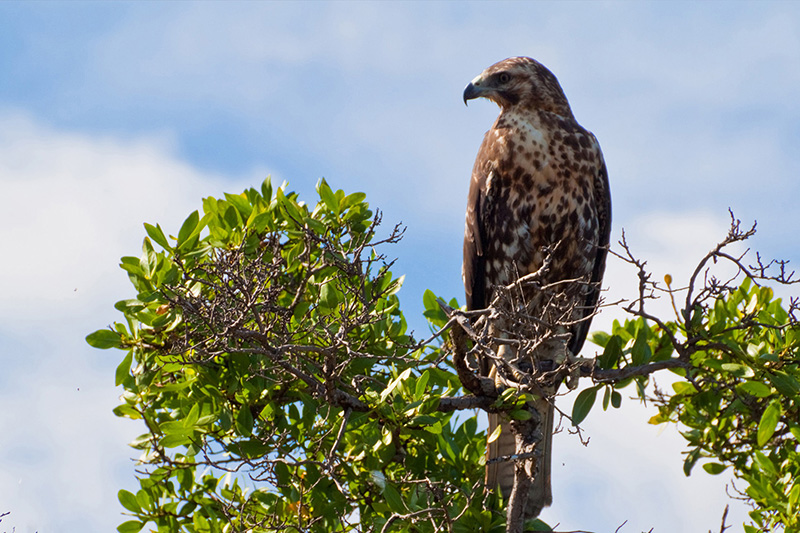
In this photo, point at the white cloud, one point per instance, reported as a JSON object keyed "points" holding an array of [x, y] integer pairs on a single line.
{"points": [[373, 90], [670, 243], [74, 204], [631, 471], [63, 451]]}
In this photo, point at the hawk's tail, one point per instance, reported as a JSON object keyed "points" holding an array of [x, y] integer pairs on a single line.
{"points": [[501, 473]]}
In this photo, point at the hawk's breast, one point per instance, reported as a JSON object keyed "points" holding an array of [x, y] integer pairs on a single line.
{"points": [[539, 195]]}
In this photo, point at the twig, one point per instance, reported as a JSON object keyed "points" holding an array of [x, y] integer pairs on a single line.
{"points": [[723, 527], [339, 436], [396, 516], [477, 385], [618, 374]]}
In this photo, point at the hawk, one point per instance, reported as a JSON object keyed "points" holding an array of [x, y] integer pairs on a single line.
{"points": [[539, 189]]}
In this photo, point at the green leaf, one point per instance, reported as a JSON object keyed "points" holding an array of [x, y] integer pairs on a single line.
{"points": [[124, 369], [769, 357], [266, 188], [429, 300], [157, 234], [689, 462], [315, 225], [768, 423], [764, 464], [616, 399], [422, 383], [583, 404], [752, 305], [520, 414], [495, 434], [188, 228], [131, 526], [506, 395], [241, 204], [126, 410], [141, 441], [244, 421], [396, 285], [423, 420], [395, 383], [641, 353], [353, 199], [191, 418], [611, 353], [327, 196], [394, 500], [714, 468], [433, 312], [740, 371], [435, 428], [289, 205], [175, 440], [261, 221], [754, 388], [599, 338], [328, 297], [683, 387], [128, 501], [104, 339], [785, 383], [232, 217]]}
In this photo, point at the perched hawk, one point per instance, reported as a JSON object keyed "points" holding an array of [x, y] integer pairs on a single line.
{"points": [[539, 186]]}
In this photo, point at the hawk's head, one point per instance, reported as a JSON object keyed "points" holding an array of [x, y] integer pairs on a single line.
{"points": [[520, 82]]}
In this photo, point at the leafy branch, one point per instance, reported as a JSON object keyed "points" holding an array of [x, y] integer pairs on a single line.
{"points": [[269, 361]]}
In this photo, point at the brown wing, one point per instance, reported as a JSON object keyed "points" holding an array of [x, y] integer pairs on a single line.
{"points": [[474, 265], [602, 200]]}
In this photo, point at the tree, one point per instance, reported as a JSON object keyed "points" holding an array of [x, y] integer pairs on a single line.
{"points": [[268, 359]]}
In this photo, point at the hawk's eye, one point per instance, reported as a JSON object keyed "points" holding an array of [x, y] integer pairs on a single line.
{"points": [[504, 77]]}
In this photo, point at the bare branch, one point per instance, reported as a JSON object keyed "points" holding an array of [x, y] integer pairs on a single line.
{"points": [[619, 374]]}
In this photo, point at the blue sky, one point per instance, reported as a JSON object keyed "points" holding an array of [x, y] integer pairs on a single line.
{"points": [[113, 114]]}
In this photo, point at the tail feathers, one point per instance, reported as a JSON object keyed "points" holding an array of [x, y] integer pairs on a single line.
{"points": [[500, 474]]}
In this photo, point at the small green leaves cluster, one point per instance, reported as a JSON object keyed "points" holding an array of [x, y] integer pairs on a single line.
{"points": [[632, 344], [267, 357], [738, 396]]}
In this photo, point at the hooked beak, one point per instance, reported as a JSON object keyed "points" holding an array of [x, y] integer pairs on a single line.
{"points": [[472, 91]]}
